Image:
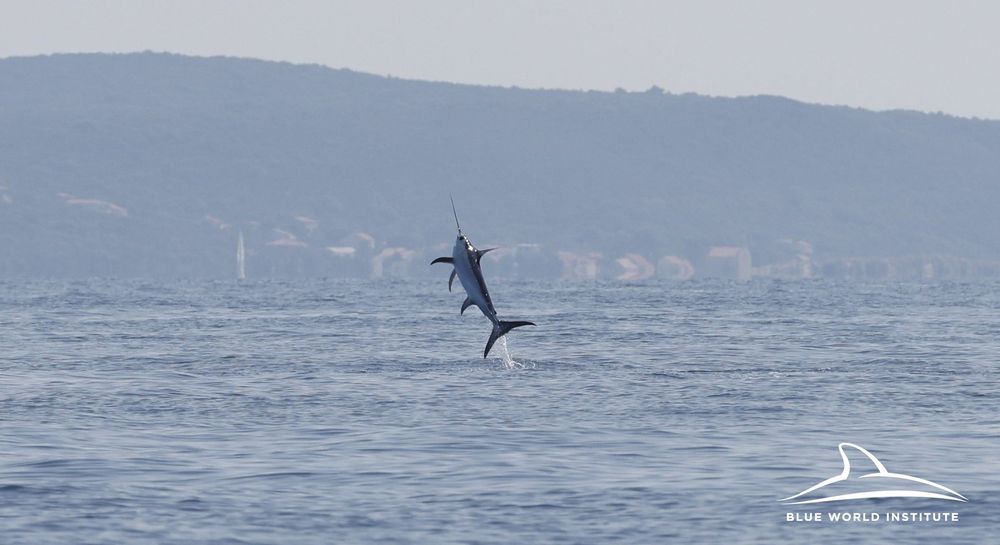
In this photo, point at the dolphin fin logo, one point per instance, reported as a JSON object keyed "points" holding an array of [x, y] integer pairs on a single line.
{"points": [[882, 476]]}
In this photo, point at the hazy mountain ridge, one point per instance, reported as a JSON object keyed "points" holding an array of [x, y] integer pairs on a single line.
{"points": [[194, 149]]}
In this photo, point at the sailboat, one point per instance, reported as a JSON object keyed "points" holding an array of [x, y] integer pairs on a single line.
{"points": [[241, 259]]}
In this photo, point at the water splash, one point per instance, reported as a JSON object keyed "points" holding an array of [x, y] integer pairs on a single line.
{"points": [[241, 258], [508, 361]]}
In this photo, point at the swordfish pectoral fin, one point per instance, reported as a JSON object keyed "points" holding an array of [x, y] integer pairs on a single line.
{"points": [[449, 261], [468, 303], [499, 330]]}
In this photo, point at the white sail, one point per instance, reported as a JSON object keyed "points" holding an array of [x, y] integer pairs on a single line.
{"points": [[241, 259]]}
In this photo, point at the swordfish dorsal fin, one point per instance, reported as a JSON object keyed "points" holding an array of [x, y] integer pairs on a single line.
{"points": [[481, 253], [468, 303]]}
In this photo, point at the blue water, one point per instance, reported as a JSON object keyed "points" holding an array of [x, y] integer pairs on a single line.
{"points": [[360, 412]]}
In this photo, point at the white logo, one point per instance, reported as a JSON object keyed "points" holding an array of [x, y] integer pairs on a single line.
{"points": [[882, 477]]}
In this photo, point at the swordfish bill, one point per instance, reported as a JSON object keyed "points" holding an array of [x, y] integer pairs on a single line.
{"points": [[465, 259]]}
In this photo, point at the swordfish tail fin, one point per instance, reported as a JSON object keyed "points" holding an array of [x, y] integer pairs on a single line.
{"points": [[499, 330]]}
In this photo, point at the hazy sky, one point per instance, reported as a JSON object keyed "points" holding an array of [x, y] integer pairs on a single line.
{"points": [[934, 56]]}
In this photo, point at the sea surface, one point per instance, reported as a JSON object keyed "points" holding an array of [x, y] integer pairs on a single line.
{"points": [[325, 411]]}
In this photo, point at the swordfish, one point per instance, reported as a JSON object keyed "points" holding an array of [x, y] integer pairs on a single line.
{"points": [[465, 258]]}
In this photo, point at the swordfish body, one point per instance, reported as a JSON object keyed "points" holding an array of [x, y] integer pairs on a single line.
{"points": [[466, 260]]}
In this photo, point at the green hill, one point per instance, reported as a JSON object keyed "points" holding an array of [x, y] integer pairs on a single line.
{"points": [[149, 164]]}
